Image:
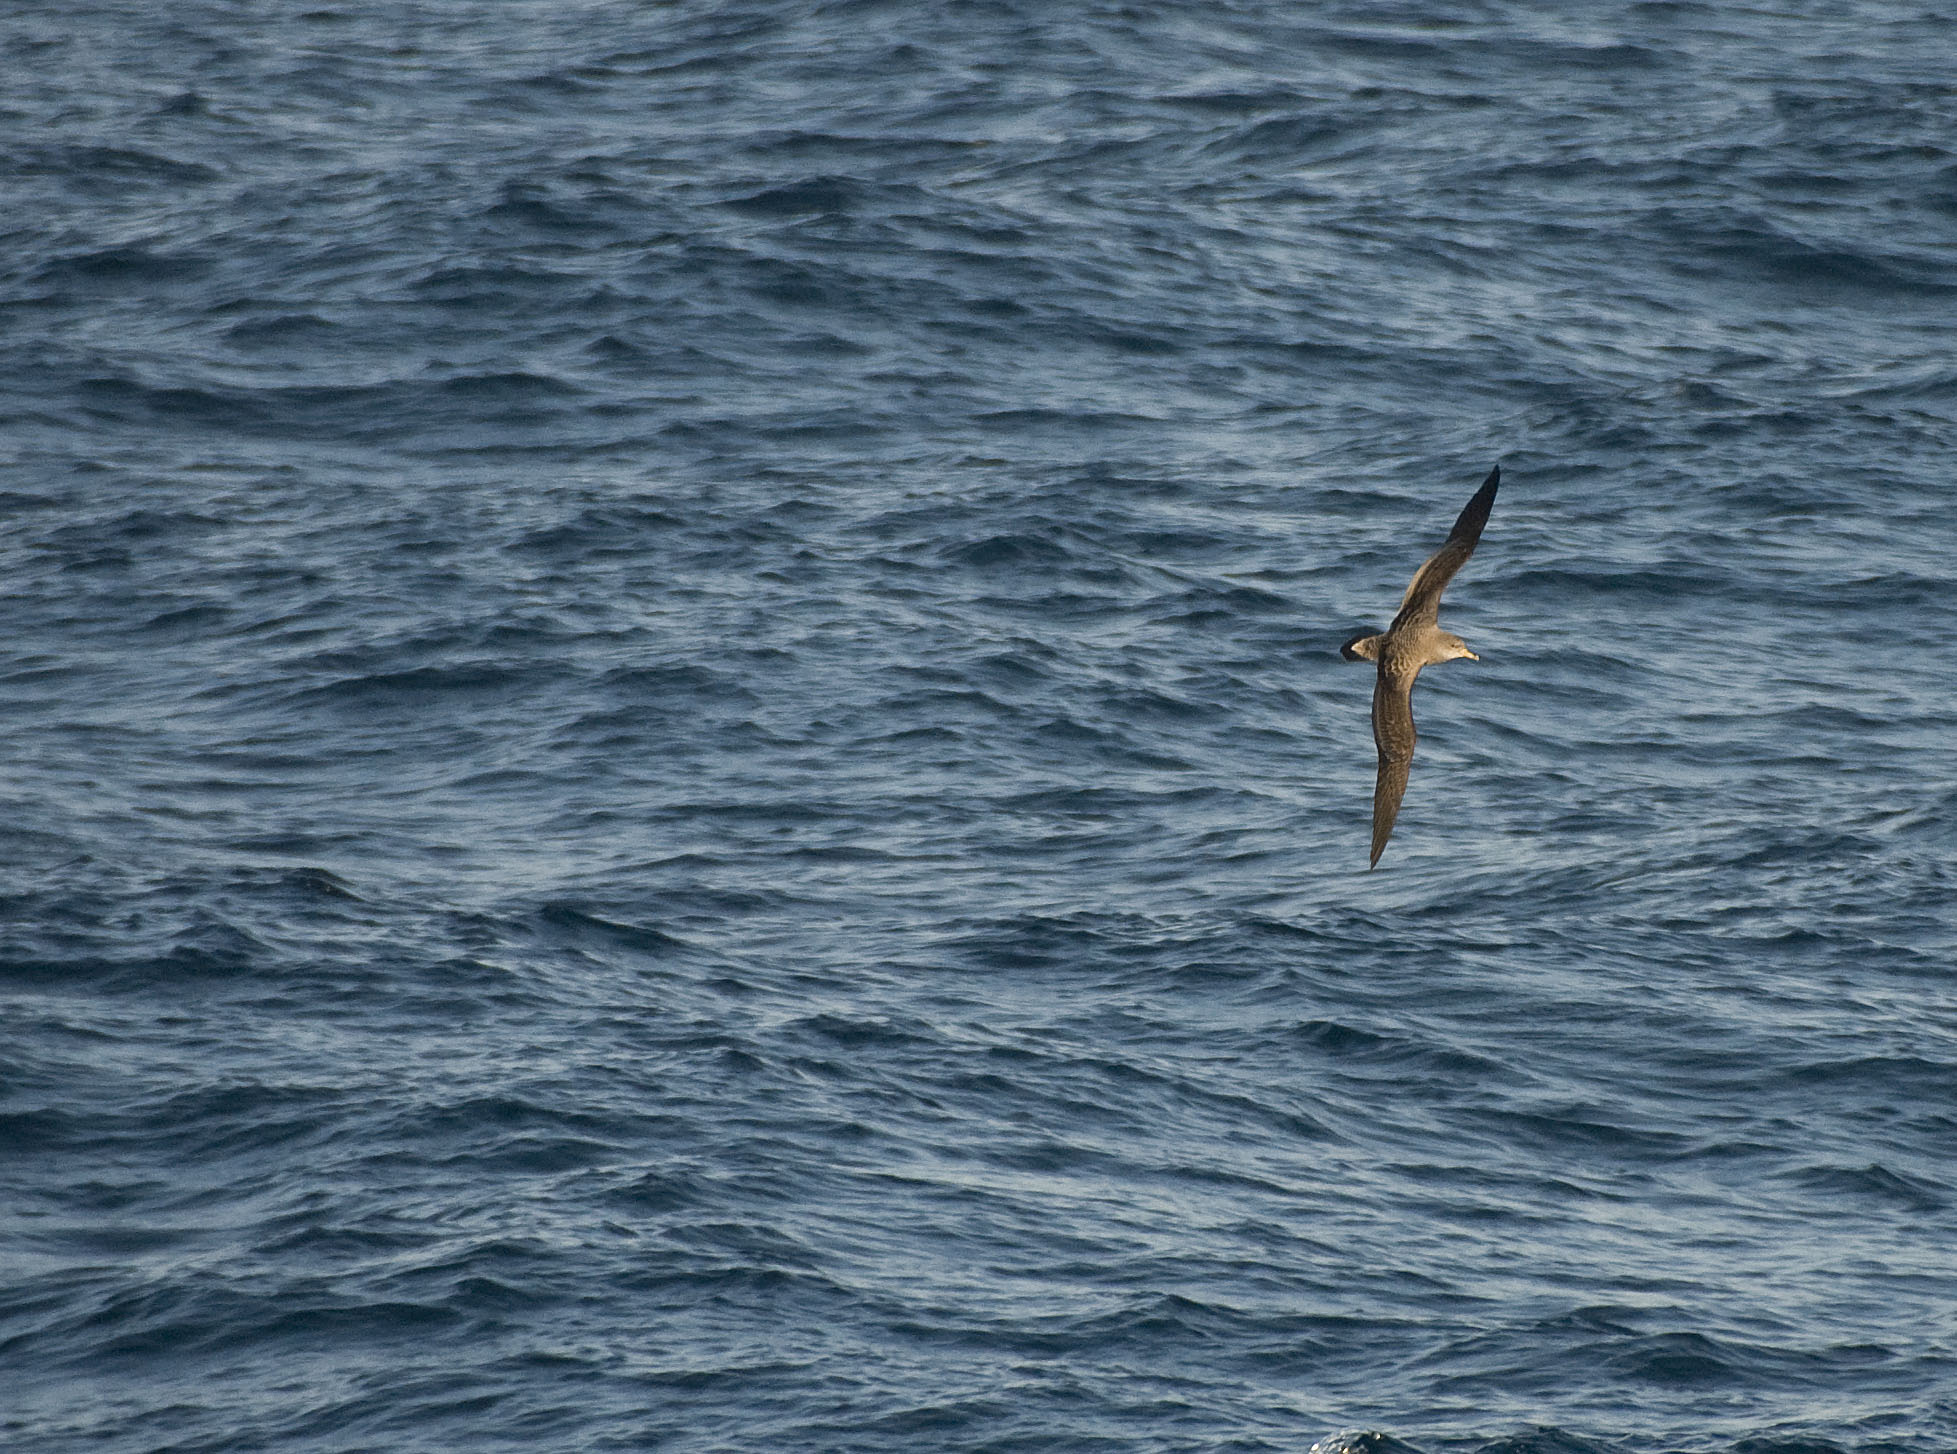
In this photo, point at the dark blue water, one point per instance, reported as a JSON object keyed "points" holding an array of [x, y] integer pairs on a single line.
{"points": [[674, 772]]}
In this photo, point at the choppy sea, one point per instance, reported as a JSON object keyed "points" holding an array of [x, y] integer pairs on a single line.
{"points": [[674, 772]]}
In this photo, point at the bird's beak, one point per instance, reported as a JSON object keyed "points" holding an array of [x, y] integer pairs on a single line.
{"points": [[1471, 656]]}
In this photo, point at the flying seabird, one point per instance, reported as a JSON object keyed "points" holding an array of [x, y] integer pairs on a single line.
{"points": [[1414, 640]]}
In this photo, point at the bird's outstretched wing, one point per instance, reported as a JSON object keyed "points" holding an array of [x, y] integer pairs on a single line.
{"points": [[1393, 735], [1423, 597]]}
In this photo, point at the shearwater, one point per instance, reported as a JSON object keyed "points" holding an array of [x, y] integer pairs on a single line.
{"points": [[1414, 640]]}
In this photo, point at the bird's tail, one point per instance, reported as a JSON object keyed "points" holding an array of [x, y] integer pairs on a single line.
{"points": [[1363, 647]]}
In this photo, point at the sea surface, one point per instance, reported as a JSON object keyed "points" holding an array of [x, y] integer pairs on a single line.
{"points": [[674, 772]]}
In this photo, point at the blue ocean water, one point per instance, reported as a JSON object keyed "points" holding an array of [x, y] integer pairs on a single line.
{"points": [[674, 772]]}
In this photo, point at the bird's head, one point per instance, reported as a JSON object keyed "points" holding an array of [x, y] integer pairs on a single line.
{"points": [[1455, 648]]}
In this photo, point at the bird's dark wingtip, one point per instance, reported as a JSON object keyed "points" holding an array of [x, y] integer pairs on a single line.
{"points": [[1489, 486], [1474, 515]]}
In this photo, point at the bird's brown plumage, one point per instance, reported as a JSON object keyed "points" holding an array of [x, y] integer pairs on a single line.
{"points": [[1413, 641]]}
